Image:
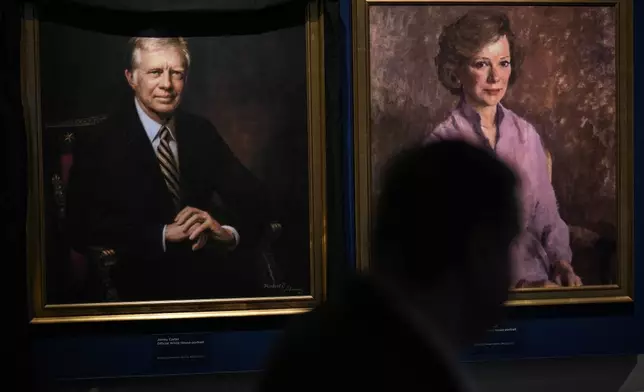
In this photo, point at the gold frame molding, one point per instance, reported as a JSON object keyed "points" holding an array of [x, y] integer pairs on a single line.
{"points": [[621, 292], [43, 313]]}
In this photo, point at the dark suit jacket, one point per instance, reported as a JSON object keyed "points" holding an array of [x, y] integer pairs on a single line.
{"points": [[356, 340], [117, 198]]}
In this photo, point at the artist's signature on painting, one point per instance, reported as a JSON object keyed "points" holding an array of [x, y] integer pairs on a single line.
{"points": [[285, 287]]}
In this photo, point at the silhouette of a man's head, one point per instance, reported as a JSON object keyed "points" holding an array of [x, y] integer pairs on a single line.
{"points": [[448, 212]]}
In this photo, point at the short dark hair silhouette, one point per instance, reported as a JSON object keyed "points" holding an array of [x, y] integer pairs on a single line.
{"points": [[432, 199]]}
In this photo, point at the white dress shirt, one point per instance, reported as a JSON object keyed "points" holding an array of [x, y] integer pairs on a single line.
{"points": [[152, 129]]}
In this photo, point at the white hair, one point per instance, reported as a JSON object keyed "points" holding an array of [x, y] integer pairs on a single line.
{"points": [[137, 44]]}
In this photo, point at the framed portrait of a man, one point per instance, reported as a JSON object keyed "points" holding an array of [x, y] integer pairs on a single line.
{"points": [[176, 171], [547, 88]]}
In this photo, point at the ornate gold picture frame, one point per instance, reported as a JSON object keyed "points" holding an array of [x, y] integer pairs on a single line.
{"points": [[285, 265], [575, 88]]}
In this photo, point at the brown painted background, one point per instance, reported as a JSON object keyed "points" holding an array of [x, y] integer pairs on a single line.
{"points": [[252, 88], [566, 89]]}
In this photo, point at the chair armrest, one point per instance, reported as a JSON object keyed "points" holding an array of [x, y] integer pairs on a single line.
{"points": [[102, 260]]}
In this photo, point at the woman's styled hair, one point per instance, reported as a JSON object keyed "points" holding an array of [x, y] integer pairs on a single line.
{"points": [[461, 40]]}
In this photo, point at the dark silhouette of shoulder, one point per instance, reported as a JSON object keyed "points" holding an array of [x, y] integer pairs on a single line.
{"points": [[356, 339]]}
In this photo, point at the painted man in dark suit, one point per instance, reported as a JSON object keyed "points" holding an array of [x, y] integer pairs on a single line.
{"points": [[162, 189]]}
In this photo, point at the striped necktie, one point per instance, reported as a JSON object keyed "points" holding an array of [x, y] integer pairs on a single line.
{"points": [[169, 166]]}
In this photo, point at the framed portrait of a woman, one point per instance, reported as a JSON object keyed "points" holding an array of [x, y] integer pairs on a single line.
{"points": [[547, 88]]}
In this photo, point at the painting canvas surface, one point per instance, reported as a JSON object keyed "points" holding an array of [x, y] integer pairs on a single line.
{"points": [[566, 90], [251, 88]]}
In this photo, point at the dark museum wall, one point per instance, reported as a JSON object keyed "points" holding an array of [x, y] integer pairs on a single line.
{"points": [[611, 374]]}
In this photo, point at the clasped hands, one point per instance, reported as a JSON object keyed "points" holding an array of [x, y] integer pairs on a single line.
{"points": [[193, 224], [562, 275]]}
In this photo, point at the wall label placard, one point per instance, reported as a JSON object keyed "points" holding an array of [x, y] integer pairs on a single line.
{"points": [[180, 350]]}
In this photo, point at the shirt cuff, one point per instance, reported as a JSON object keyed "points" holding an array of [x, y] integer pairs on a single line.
{"points": [[234, 233], [163, 237]]}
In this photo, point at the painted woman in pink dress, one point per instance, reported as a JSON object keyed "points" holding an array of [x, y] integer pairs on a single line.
{"points": [[478, 60]]}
